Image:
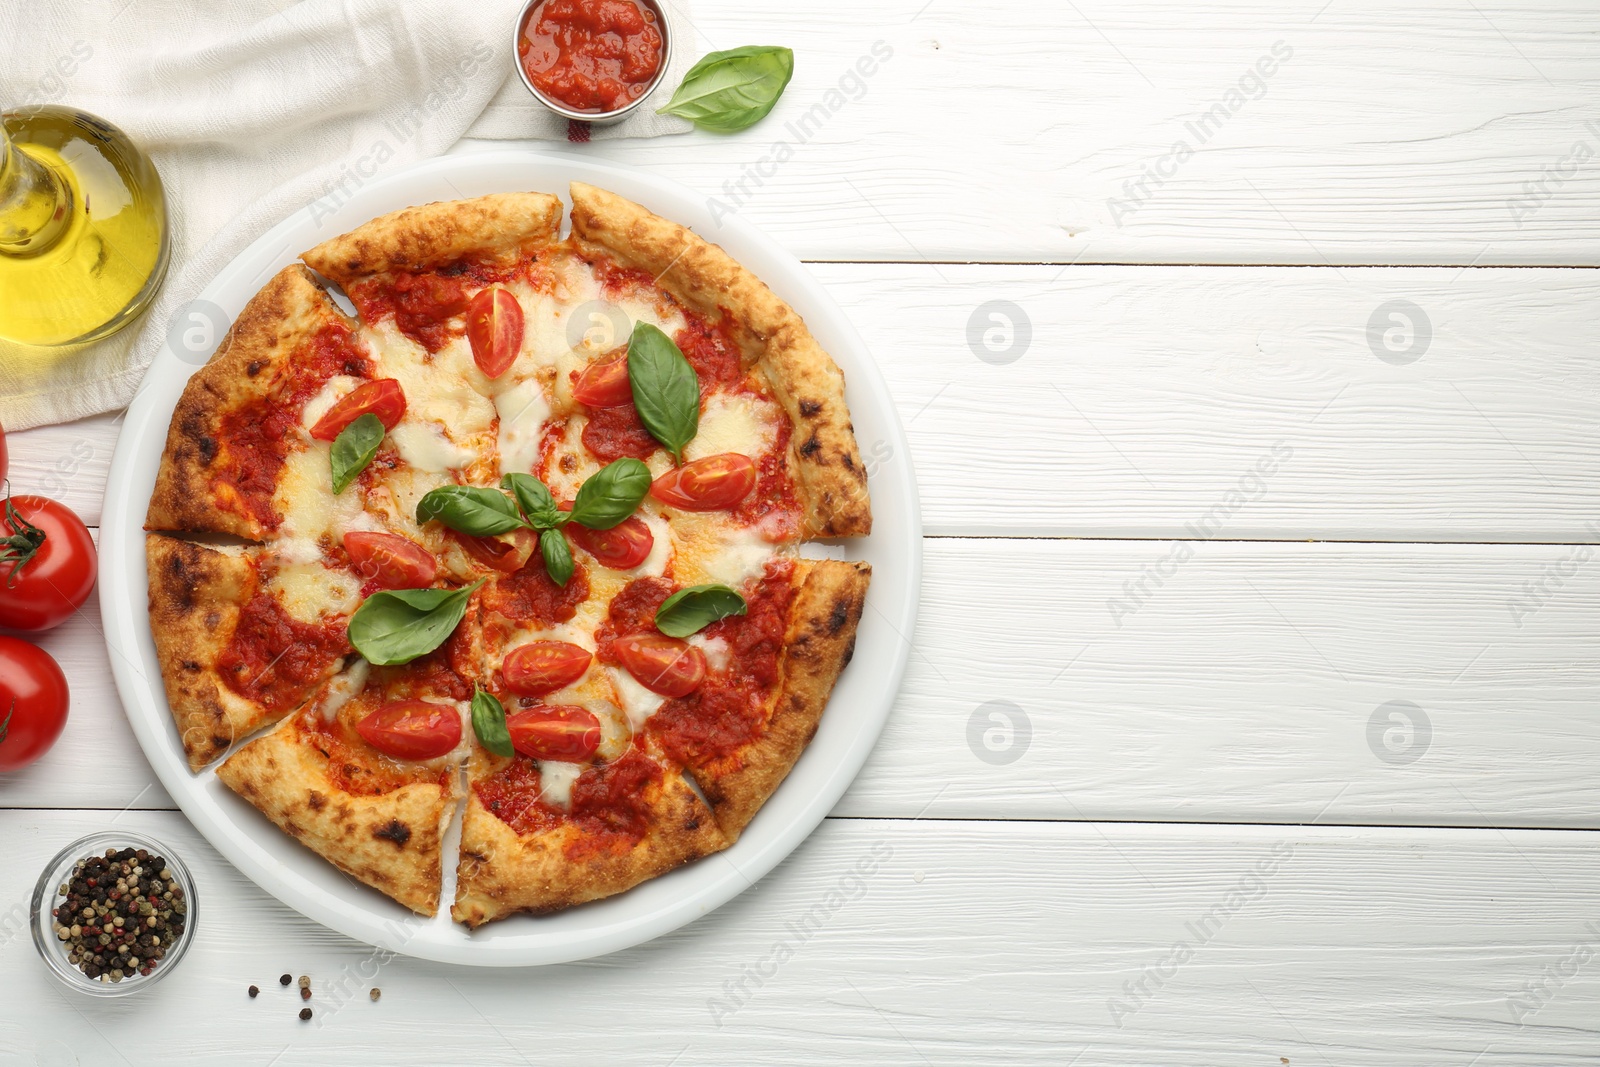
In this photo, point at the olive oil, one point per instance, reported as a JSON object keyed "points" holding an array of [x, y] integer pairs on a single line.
{"points": [[83, 227]]}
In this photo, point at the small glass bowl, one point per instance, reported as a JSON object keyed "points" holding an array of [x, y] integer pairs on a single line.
{"points": [[598, 118], [46, 897]]}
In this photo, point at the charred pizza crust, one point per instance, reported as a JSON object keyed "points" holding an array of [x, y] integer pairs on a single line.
{"points": [[197, 592], [499, 226], [501, 872], [249, 365], [804, 378], [392, 841]]}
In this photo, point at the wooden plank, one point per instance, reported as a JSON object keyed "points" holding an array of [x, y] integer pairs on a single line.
{"points": [[1252, 132], [1147, 395], [924, 943], [1243, 688]]}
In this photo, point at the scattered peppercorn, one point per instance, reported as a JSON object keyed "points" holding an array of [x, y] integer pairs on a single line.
{"points": [[254, 992], [375, 994], [305, 994], [119, 913], [305, 1013], [305, 981], [285, 979]]}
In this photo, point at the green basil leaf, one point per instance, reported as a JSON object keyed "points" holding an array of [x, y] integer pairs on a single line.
{"points": [[398, 625], [470, 509], [354, 448], [688, 611], [666, 390], [557, 556], [727, 91], [489, 723], [533, 496], [611, 494]]}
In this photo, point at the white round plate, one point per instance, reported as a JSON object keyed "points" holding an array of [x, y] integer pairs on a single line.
{"points": [[854, 718]]}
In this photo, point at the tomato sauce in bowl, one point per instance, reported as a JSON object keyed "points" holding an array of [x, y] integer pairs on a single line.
{"points": [[591, 59]]}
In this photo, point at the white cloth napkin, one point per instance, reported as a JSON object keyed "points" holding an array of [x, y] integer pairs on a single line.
{"points": [[250, 109]]}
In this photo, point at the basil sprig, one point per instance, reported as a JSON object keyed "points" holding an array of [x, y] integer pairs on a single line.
{"points": [[489, 723], [666, 390], [534, 498], [688, 611], [605, 499], [611, 494], [727, 91], [398, 625], [353, 449], [557, 556], [470, 509]]}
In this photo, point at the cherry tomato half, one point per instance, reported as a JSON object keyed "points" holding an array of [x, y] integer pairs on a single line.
{"points": [[625, 545], [661, 664], [604, 383], [558, 732], [542, 667], [47, 563], [494, 329], [412, 729], [709, 484], [383, 398], [390, 561], [506, 553], [33, 703]]}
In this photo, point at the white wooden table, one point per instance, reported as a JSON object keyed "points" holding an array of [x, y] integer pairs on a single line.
{"points": [[1254, 716]]}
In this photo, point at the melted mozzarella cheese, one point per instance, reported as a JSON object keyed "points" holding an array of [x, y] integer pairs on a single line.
{"points": [[304, 497], [655, 564], [637, 702], [427, 447], [332, 391], [570, 463], [734, 422], [344, 685], [716, 650], [309, 591], [523, 410], [440, 388], [555, 782], [710, 548]]}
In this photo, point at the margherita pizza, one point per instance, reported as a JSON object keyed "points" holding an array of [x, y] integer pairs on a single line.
{"points": [[522, 531]]}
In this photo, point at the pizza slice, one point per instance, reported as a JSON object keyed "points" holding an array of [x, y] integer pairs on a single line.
{"points": [[450, 295], [243, 636], [234, 428], [736, 703], [539, 836], [367, 775], [735, 318]]}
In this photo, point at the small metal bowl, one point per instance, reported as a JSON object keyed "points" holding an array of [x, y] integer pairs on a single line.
{"points": [[46, 896], [600, 118]]}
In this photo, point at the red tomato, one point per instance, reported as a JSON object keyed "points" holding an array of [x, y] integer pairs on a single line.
{"points": [[33, 703], [390, 561], [558, 732], [412, 729], [661, 664], [497, 552], [625, 545], [604, 383], [494, 329], [47, 563], [709, 484], [383, 398], [542, 667]]}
